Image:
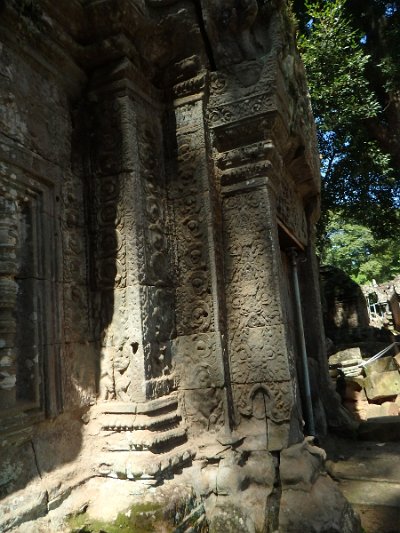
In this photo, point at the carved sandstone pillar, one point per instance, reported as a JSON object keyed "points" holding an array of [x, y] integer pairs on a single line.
{"points": [[8, 299], [131, 247], [198, 349], [246, 136]]}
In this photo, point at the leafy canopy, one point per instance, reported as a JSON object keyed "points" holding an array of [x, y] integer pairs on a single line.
{"points": [[354, 249], [351, 51], [357, 173]]}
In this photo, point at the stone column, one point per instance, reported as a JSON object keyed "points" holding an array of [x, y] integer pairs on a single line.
{"points": [[257, 345], [131, 247], [198, 349], [247, 132], [8, 300]]}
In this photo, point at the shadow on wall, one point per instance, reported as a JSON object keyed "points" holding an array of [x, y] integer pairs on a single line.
{"points": [[51, 353]]}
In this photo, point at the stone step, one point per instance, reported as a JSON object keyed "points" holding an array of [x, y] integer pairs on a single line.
{"points": [[131, 422], [378, 504], [144, 465], [162, 404], [368, 473], [381, 429], [145, 440], [370, 461]]}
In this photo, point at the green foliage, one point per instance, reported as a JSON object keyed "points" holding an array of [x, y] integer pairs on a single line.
{"points": [[349, 97], [353, 248], [335, 64]]}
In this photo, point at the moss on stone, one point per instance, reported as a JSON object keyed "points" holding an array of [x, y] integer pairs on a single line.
{"points": [[140, 518]]}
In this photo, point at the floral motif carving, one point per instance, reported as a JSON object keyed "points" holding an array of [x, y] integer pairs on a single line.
{"points": [[241, 109], [197, 361]]}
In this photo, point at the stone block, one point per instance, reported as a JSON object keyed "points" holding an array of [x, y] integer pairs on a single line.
{"points": [[259, 354], [23, 506], [382, 385], [390, 408], [301, 465], [17, 468], [278, 435], [354, 391], [203, 408], [323, 506], [350, 356], [384, 364], [197, 360]]}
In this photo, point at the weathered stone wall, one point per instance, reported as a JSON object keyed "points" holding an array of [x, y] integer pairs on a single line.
{"points": [[47, 352], [344, 305], [158, 162]]}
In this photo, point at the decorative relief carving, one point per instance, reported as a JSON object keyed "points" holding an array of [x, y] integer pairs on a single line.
{"points": [[252, 210], [278, 400], [228, 136], [243, 80], [229, 26], [187, 181], [189, 117], [247, 162], [107, 212], [290, 208], [189, 87], [245, 155], [158, 327], [194, 302], [251, 287], [258, 354], [155, 225], [107, 145], [8, 299], [197, 361], [246, 172], [187, 172], [241, 109], [203, 408], [122, 360], [256, 343], [193, 313]]}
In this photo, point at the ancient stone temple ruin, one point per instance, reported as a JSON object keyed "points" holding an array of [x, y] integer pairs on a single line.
{"points": [[159, 189]]}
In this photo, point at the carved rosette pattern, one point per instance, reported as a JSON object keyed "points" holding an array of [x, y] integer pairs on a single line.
{"points": [[188, 185], [154, 260], [197, 352]]}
